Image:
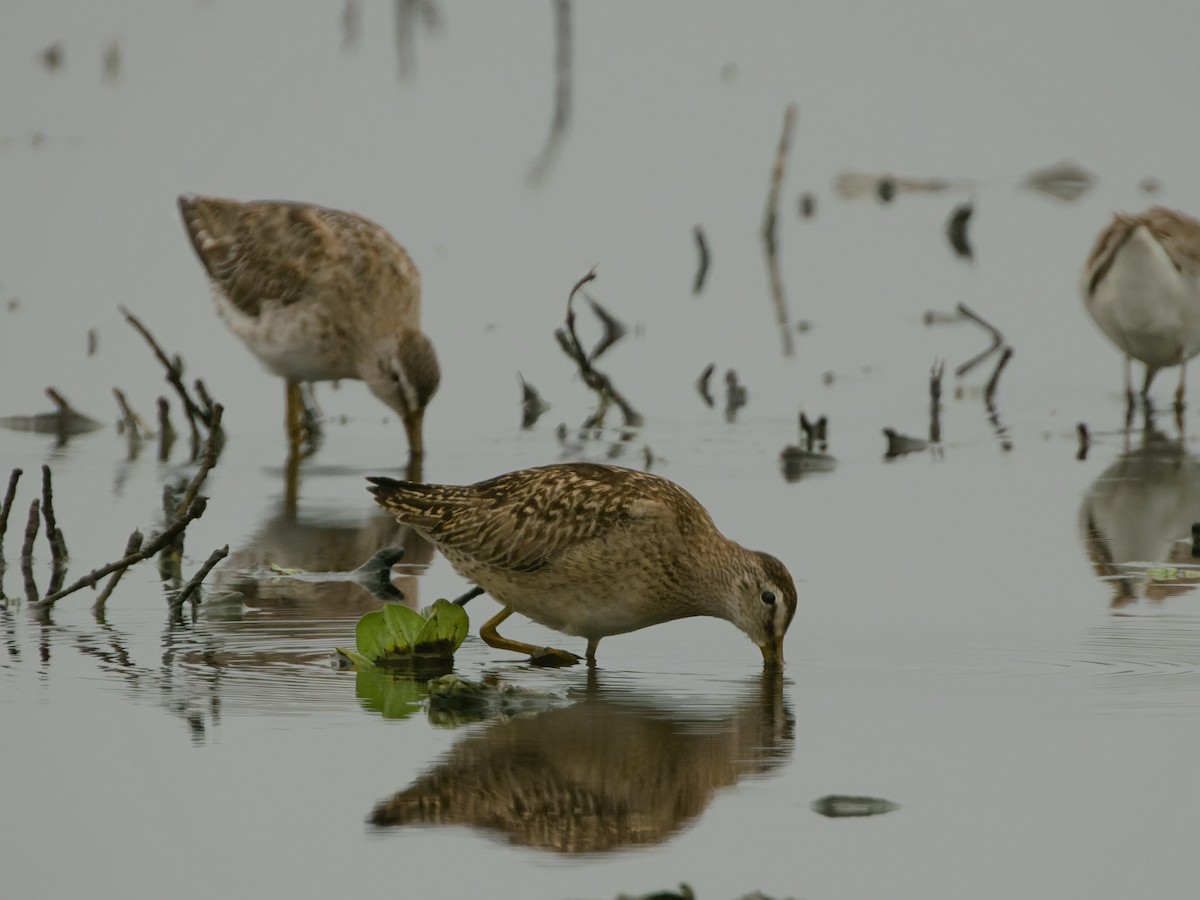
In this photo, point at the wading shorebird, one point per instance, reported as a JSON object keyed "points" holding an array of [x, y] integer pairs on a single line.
{"points": [[1141, 284], [317, 295], [593, 550]]}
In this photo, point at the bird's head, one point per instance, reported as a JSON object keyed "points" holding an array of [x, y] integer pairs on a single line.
{"points": [[403, 372], [764, 603]]}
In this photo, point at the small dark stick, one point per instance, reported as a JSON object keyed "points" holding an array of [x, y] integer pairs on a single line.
{"points": [[31, 531], [131, 546], [205, 400], [54, 535], [808, 205], [736, 395], [997, 340], [614, 329], [166, 431], [956, 230], [93, 341], [6, 507], [702, 271], [990, 391], [134, 426], [532, 404], [174, 370], [769, 230], [211, 452], [702, 384], [935, 402], [1085, 441], [194, 582]]}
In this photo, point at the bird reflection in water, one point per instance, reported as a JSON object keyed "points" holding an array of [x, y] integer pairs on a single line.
{"points": [[1136, 520], [614, 770]]}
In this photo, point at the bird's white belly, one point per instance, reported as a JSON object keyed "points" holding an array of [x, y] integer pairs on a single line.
{"points": [[296, 342], [1147, 307]]}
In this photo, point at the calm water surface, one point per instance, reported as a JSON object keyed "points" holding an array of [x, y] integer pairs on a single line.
{"points": [[1003, 642]]}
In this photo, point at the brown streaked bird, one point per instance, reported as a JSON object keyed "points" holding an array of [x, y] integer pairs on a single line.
{"points": [[318, 295], [593, 550], [1141, 284]]}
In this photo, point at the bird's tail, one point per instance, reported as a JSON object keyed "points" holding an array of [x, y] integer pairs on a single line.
{"points": [[423, 506]]}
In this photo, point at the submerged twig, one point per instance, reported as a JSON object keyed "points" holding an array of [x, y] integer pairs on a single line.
{"points": [[990, 391], [131, 547], [770, 227], [702, 270], [1085, 440], [212, 449], [561, 117], [54, 535], [194, 582], [163, 539], [31, 531], [997, 340], [593, 378]]}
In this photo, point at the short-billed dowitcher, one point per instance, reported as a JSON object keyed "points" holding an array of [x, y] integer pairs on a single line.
{"points": [[317, 295], [594, 550], [1141, 284]]}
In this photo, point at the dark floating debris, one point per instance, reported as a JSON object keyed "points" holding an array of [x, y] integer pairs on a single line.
{"points": [[532, 404], [52, 56], [1066, 180], [854, 185], [64, 422], [702, 384], [937, 317], [956, 230], [935, 401], [809, 456], [112, 61], [806, 204], [736, 395], [900, 444], [702, 267], [840, 806], [1085, 441]]}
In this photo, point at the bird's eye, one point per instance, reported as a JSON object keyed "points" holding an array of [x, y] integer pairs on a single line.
{"points": [[768, 598]]}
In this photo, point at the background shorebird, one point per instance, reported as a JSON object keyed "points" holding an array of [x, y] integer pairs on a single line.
{"points": [[1141, 284], [317, 295], [594, 550]]}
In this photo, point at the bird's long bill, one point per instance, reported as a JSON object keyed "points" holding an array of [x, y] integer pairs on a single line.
{"points": [[772, 652], [412, 428]]}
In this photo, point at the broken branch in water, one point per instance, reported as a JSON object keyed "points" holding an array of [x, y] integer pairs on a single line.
{"points": [[54, 536], [166, 431], [5, 509], [997, 340], [212, 449], [1085, 440], [990, 391], [702, 271], [593, 378], [194, 582], [163, 539], [131, 546], [134, 426], [174, 376], [770, 227], [31, 530], [956, 230], [614, 329]]}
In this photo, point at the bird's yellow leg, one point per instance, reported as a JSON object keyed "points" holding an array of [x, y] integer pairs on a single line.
{"points": [[539, 656]]}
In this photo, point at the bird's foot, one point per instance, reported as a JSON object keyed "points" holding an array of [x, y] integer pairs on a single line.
{"points": [[553, 658]]}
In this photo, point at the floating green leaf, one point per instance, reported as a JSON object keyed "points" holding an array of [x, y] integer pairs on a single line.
{"points": [[397, 634]]}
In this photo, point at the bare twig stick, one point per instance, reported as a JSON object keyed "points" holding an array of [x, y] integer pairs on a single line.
{"points": [[194, 582], [166, 431], [935, 401], [702, 384], [163, 539], [561, 116], [31, 530], [1085, 440], [990, 391], [5, 508], [702, 271], [614, 329], [206, 401], [131, 546], [64, 408], [212, 448], [770, 227], [174, 371], [594, 379], [54, 536], [134, 424], [997, 340]]}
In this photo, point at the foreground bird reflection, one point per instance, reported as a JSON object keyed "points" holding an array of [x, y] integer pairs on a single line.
{"points": [[1136, 520], [614, 770]]}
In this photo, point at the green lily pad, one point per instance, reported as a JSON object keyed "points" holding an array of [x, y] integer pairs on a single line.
{"points": [[397, 634]]}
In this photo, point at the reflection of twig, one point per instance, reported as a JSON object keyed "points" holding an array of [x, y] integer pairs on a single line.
{"points": [[702, 271], [935, 402], [997, 340], [194, 582], [164, 539], [561, 116], [770, 228], [593, 378]]}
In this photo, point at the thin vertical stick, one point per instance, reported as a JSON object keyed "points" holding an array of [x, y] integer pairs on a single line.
{"points": [[770, 228], [31, 531], [702, 271], [194, 582], [131, 547]]}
